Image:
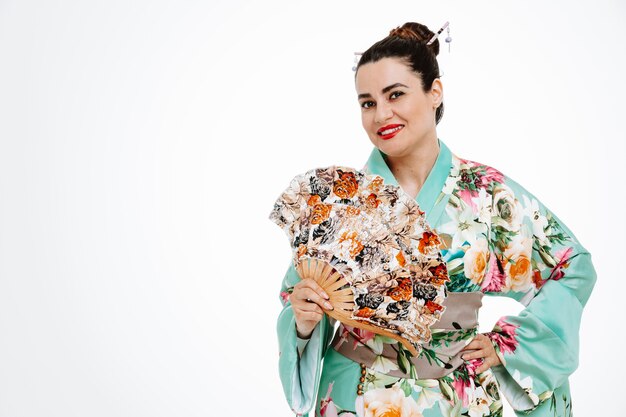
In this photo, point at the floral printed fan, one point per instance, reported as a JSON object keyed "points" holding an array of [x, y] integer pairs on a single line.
{"points": [[367, 244]]}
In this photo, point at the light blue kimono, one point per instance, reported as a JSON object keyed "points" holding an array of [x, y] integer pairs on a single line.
{"points": [[497, 239]]}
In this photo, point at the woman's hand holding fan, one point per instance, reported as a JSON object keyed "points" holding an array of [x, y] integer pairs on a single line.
{"points": [[367, 245], [307, 301]]}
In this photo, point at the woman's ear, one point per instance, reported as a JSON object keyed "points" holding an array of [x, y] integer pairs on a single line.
{"points": [[436, 92]]}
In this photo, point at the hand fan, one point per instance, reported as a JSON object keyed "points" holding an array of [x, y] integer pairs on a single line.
{"points": [[367, 244]]}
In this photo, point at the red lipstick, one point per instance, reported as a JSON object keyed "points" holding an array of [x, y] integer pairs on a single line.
{"points": [[389, 131]]}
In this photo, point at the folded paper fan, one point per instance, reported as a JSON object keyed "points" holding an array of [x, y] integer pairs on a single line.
{"points": [[368, 245]]}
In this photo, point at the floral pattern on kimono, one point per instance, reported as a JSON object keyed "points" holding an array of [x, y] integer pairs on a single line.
{"points": [[498, 240]]}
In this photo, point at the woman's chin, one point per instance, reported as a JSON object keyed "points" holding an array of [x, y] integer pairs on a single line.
{"points": [[392, 147]]}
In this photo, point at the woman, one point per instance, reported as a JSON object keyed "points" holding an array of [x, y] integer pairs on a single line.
{"points": [[496, 238]]}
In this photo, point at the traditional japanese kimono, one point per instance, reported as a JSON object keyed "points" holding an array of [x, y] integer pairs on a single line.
{"points": [[497, 239]]}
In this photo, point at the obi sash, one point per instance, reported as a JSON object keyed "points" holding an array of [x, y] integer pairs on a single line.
{"points": [[459, 321]]}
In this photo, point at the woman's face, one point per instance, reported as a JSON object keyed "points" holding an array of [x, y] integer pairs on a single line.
{"points": [[396, 113]]}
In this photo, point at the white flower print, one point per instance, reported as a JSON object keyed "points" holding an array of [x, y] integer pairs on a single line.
{"points": [[462, 226], [527, 385], [539, 221], [483, 205], [479, 406]]}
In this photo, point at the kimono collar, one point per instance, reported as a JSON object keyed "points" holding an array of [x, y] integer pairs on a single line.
{"points": [[434, 182]]}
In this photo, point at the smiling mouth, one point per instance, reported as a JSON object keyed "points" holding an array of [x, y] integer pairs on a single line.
{"points": [[389, 131]]}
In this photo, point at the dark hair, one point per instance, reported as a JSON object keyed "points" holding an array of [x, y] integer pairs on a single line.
{"points": [[408, 42]]}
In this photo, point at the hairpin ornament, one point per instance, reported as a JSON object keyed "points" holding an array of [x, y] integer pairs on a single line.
{"points": [[448, 39], [436, 35], [357, 57]]}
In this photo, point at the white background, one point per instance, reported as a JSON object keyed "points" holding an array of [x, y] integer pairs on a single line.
{"points": [[143, 143]]}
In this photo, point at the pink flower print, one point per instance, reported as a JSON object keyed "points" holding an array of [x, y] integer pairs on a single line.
{"points": [[327, 406], [460, 385], [495, 278], [473, 177], [488, 174], [360, 336], [470, 197], [504, 335], [562, 257], [472, 364], [467, 195], [491, 175], [468, 182], [507, 328], [364, 336], [468, 163], [344, 336], [284, 297]]}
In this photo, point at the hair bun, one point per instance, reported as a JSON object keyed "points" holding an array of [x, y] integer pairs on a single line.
{"points": [[416, 32], [405, 33]]}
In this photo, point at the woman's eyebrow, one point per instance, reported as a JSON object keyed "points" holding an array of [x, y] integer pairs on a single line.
{"points": [[384, 90]]}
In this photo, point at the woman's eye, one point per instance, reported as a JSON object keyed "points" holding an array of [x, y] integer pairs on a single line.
{"points": [[367, 104], [396, 94]]}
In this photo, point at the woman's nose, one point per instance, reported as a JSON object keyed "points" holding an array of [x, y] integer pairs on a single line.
{"points": [[383, 112]]}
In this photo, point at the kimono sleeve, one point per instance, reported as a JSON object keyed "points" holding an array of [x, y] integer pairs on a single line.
{"points": [[540, 263], [300, 375]]}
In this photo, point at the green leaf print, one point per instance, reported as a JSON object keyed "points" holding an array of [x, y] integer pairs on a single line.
{"points": [[431, 356], [446, 388], [502, 237], [554, 232], [460, 283], [403, 361], [406, 387], [446, 337]]}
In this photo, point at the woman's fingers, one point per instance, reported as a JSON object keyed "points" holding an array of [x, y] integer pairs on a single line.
{"points": [[310, 292], [308, 297], [307, 301], [310, 283], [308, 306], [479, 341], [473, 345], [484, 351], [481, 353], [312, 315], [484, 366]]}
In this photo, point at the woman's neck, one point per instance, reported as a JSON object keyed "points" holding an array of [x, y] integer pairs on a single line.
{"points": [[412, 170]]}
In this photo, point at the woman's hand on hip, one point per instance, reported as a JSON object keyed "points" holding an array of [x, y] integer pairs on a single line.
{"points": [[485, 351], [307, 300]]}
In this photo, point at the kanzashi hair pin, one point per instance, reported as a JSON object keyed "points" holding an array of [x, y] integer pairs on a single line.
{"points": [[357, 57], [448, 40], [436, 35]]}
